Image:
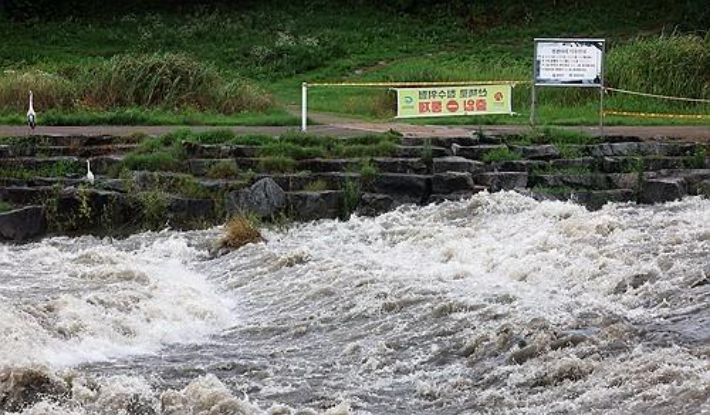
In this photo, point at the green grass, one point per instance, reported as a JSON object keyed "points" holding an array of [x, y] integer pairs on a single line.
{"points": [[164, 68], [316, 186], [6, 206], [62, 168], [501, 154], [276, 164]]}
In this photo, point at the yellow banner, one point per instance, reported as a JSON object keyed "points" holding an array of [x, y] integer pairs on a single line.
{"points": [[454, 100]]}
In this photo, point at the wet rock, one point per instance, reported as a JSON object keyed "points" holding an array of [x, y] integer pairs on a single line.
{"points": [[518, 165], [526, 353], [583, 162], [23, 224], [541, 152], [704, 189], [596, 199], [475, 152], [570, 340], [264, 198], [418, 151], [187, 213], [328, 165], [635, 281], [23, 387], [456, 164], [405, 188], [400, 165], [315, 205], [502, 180], [373, 204], [662, 190], [451, 182]]}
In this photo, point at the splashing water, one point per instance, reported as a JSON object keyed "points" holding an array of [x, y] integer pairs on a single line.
{"points": [[494, 305]]}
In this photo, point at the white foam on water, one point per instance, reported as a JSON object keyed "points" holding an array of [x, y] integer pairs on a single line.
{"points": [[100, 301], [494, 305]]}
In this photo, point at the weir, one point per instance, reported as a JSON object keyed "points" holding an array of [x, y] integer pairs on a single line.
{"points": [[42, 180]]}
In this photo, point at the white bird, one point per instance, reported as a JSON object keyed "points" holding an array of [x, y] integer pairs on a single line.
{"points": [[89, 174], [31, 116]]}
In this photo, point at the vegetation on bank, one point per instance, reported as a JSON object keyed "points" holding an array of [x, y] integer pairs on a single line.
{"points": [[167, 68]]}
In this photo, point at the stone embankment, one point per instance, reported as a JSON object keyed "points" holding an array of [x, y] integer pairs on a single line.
{"points": [[43, 189]]}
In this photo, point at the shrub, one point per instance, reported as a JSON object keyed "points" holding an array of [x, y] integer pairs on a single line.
{"points": [[157, 161], [316, 186], [670, 65], [368, 172], [154, 209], [501, 154], [223, 169], [351, 197], [50, 91], [212, 137], [276, 164], [239, 231], [160, 80], [5, 206], [291, 150]]}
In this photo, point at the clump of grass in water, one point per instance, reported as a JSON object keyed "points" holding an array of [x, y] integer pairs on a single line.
{"points": [[241, 229]]}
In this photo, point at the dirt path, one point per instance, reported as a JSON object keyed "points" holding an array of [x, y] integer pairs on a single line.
{"points": [[343, 127]]}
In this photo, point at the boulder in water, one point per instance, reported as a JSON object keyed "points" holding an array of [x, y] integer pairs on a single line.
{"points": [[23, 224], [264, 198]]}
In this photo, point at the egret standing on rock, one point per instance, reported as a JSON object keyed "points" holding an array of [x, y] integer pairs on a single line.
{"points": [[89, 174], [31, 116]]}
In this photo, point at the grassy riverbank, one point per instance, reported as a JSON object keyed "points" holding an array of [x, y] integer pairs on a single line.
{"points": [[164, 68]]}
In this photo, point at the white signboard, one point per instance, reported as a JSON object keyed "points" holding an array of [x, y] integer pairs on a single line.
{"points": [[569, 62]]}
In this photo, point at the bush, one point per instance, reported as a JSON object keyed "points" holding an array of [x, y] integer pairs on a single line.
{"points": [[160, 80], [276, 164], [239, 231], [501, 154], [224, 169], [158, 161], [316, 186], [676, 65], [50, 91]]}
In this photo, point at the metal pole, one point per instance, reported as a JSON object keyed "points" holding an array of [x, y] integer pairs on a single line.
{"points": [[532, 106], [304, 107], [532, 93], [601, 93]]}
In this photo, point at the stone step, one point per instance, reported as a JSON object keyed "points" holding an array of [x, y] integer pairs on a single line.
{"points": [[64, 151], [307, 206], [517, 165], [73, 166], [629, 164], [584, 181], [635, 149], [476, 152]]}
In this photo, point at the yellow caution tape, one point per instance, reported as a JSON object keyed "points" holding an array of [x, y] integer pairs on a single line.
{"points": [[412, 84], [656, 115], [644, 94]]}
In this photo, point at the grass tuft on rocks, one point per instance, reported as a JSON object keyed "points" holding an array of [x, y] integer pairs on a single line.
{"points": [[241, 229]]}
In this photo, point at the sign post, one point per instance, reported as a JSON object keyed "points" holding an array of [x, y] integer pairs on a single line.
{"points": [[569, 63]]}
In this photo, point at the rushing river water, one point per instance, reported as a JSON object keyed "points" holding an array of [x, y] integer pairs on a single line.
{"points": [[494, 305]]}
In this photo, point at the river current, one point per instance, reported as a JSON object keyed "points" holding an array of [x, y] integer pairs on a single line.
{"points": [[499, 304]]}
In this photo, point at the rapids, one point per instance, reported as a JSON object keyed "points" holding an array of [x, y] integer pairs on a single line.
{"points": [[498, 304]]}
